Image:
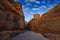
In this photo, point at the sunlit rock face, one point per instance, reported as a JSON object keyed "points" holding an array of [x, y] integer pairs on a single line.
{"points": [[32, 24], [50, 21], [11, 15]]}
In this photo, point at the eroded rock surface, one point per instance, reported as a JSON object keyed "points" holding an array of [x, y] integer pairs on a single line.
{"points": [[48, 24], [32, 24], [50, 21], [11, 15], [52, 36], [11, 19]]}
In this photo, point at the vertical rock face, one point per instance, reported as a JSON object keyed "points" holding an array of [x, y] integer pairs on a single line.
{"points": [[11, 15], [50, 21], [32, 25]]}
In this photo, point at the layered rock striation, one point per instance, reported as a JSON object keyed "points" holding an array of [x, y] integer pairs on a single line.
{"points": [[50, 21], [11, 15]]}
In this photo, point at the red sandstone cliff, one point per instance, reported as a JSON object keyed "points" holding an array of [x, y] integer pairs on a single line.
{"points": [[32, 24], [11, 19], [50, 21], [48, 24], [11, 15]]}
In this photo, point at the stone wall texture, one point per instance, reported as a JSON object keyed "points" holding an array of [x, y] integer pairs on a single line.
{"points": [[11, 15], [32, 24], [50, 21]]}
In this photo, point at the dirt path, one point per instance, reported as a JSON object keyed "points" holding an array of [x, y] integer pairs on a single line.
{"points": [[29, 35]]}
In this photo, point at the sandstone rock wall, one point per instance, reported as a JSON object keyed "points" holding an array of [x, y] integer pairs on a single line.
{"points": [[11, 19], [50, 21], [11, 15], [48, 24], [52, 36], [32, 24]]}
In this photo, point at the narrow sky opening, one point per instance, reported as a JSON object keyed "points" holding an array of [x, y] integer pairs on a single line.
{"points": [[31, 7]]}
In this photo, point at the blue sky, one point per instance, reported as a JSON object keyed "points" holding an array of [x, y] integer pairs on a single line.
{"points": [[31, 7]]}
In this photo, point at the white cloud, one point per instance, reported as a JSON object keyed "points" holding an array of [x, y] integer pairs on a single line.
{"points": [[23, 6], [35, 8], [28, 4], [30, 0], [40, 7], [35, 1], [49, 5], [26, 9], [38, 2], [31, 12], [43, 6]]}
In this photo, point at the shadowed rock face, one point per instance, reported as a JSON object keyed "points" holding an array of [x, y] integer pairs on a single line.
{"points": [[52, 36], [32, 25], [11, 15], [50, 21], [11, 19]]}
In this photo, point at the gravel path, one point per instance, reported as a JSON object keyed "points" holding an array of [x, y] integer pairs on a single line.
{"points": [[29, 35]]}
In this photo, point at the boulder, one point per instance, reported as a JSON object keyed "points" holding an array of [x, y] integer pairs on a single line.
{"points": [[11, 15]]}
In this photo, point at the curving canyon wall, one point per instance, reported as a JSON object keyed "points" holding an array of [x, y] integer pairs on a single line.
{"points": [[11, 15]]}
